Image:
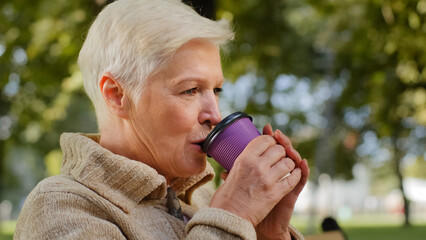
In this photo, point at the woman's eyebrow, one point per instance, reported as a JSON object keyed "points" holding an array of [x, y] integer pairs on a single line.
{"points": [[185, 80], [193, 79]]}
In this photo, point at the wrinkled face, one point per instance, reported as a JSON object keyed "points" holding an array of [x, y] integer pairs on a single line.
{"points": [[176, 111]]}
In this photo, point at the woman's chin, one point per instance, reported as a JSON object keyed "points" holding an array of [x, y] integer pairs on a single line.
{"points": [[195, 168]]}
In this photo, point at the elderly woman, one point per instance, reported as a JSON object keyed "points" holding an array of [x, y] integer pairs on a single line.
{"points": [[152, 70]]}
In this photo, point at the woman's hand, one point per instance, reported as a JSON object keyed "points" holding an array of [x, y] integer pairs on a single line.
{"points": [[275, 224], [255, 185]]}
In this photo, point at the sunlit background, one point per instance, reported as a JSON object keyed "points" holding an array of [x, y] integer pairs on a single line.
{"points": [[345, 79]]}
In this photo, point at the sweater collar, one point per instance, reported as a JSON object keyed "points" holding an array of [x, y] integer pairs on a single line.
{"points": [[123, 181]]}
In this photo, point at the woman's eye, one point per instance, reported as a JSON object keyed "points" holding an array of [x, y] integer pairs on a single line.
{"points": [[217, 91], [191, 91]]}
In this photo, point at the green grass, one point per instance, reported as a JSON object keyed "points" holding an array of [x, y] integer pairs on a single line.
{"points": [[4, 236], [372, 227], [7, 229], [386, 233]]}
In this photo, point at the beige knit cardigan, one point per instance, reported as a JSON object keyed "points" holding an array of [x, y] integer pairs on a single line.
{"points": [[101, 195]]}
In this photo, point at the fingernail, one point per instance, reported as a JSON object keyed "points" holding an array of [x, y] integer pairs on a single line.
{"points": [[276, 132]]}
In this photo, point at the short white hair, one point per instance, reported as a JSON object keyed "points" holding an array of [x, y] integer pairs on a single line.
{"points": [[131, 39]]}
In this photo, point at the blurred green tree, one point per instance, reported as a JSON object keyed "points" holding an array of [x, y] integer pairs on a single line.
{"points": [[371, 54], [380, 45], [41, 89]]}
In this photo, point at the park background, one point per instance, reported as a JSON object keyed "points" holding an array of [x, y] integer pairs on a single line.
{"points": [[345, 79]]}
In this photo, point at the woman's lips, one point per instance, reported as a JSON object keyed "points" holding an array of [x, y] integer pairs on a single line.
{"points": [[200, 144]]}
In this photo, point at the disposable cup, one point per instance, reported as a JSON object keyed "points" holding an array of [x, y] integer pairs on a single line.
{"points": [[229, 138]]}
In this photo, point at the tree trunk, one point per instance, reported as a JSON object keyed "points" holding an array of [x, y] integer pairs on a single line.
{"points": [[398, 154], [2, 169]]}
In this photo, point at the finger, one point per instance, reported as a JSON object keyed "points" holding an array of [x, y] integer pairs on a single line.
{"points": [[267, 130], [288, 183], [283, 167], [259, 145], [224, 175], [272, 155], [285, 141], [295, 155], [304, 178]]}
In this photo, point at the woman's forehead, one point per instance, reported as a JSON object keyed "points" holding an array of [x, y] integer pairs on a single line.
{"points": [[194, 62]]}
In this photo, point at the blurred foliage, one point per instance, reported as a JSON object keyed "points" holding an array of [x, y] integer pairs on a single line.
{"points": [[370, 53], [41, 88], [372, 50], [417, 168], [344, 79]]}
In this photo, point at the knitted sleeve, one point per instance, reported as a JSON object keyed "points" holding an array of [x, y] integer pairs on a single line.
{"points": [[214, 223], [61, 215]]}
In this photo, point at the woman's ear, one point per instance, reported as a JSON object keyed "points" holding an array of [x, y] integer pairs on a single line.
{"points": [[113, 95]]}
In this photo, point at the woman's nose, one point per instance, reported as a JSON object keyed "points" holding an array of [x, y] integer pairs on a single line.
{"points": [[210, 113]]}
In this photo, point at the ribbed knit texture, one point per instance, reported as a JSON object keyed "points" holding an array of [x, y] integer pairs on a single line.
{"points": [[101, 195]]}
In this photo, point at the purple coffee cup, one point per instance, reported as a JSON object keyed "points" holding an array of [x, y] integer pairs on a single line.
{"points": [[229, 138]]}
